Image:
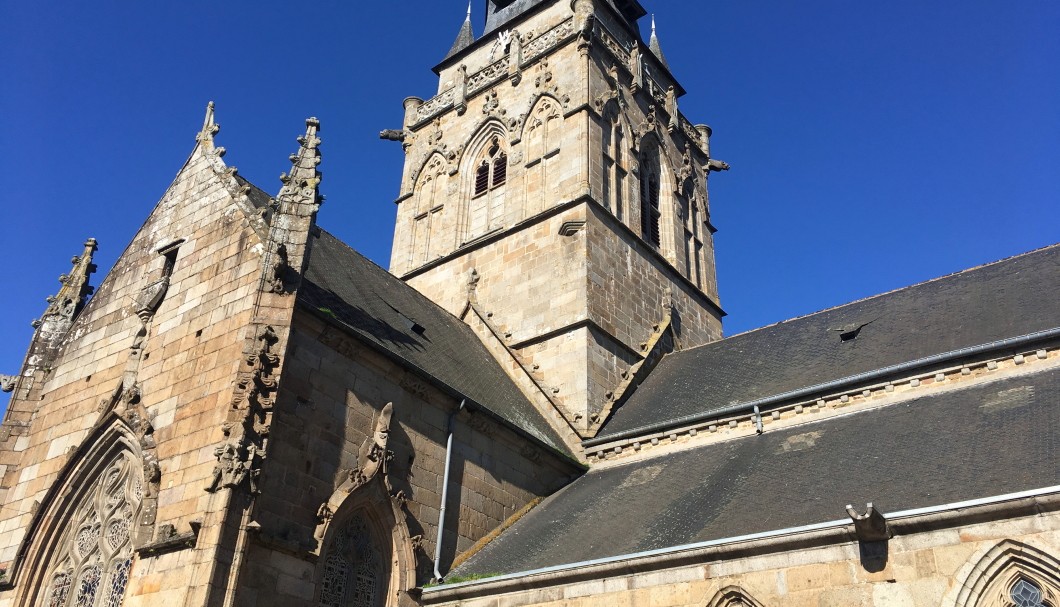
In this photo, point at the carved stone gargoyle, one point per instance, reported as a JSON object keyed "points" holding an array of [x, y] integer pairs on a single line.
{"points": [[7, 382], [373, 455], [871, 526]]}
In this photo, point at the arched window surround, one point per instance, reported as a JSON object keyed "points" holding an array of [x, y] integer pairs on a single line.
{"points": [[542, 139], [48, 532], [615, 151], [733, 596], [372, 505], [657, 197], [987, 579], [429, 197], [484, 208]]}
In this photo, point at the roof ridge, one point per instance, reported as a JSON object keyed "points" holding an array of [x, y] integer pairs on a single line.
{"points": [[876, 295]]}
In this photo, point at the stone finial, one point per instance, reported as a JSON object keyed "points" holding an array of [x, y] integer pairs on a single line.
{"points": [[209, 127], [74, 290], [871, 526], [300, 186]]}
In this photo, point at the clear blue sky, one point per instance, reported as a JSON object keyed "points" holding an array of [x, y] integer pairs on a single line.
{"points": [[873, 144]]}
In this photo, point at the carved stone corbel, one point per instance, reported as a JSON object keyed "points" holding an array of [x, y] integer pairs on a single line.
{"points": [[150, 297]]}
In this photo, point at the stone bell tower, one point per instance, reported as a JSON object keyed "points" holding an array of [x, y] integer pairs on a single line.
{"points": [[555, 198]]}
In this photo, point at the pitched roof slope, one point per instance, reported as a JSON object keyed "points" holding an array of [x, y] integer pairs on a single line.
{"points": [[381, 309], [1009, 298], [981, 441]]}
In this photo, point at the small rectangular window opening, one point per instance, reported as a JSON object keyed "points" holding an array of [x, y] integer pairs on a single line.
{"points": [[170, 253]]}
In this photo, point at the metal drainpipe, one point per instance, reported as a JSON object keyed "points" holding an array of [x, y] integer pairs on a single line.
{"points": [[445, 491]]}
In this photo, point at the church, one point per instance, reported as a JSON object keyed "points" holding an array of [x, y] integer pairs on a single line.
{"points": [[535, 404]]}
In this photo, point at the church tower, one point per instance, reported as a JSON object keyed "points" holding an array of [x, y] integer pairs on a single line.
{"points": [[555, 198]]}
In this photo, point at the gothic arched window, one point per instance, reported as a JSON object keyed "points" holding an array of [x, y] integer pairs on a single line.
{"points": [[650, 197], [1010, 574], [428, 211], [542, 137], [91, 563], [614, 166], [355, 567], [733, 596], [487, 189]]}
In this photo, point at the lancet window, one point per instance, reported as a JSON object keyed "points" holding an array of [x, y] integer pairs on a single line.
{"points": [[693, 229], [542, 153], [354, 568], [488, 189], [650, 195], [94, 554], [430, 199], [615, 167]]}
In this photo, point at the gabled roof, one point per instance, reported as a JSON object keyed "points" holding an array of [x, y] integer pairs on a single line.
{"points": [[346, 288], [982, 441], [1009, 298]]}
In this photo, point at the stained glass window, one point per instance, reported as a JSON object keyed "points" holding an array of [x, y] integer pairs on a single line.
{"points": [[119, 578], [353, 570], [94, 554], [60, 590], [1026, 593], [87, 587]]}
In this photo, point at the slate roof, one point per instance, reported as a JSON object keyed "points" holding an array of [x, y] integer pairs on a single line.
{"points": [[369, 302], [986, 440], [464, 38], [497, 16], [1012, 297]]}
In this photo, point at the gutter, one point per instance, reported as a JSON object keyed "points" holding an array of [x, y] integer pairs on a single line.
{"points": [[843, 382], [830, 532], [445, 491]]}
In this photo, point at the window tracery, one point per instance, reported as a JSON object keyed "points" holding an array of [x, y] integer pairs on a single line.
{"points": [[650, 196], [1025, 593], [430, 199], [615, 166], [354, 573], [488, 188], [1009, 574], [542, 152], [94, 554], [693, 230]]}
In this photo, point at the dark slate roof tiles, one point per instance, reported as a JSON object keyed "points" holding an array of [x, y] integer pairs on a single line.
{"points": [[986, 440], [1009, 298], [373, 304]]}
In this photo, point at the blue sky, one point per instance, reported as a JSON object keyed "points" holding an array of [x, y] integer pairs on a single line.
{"points": [[873, 145]]}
